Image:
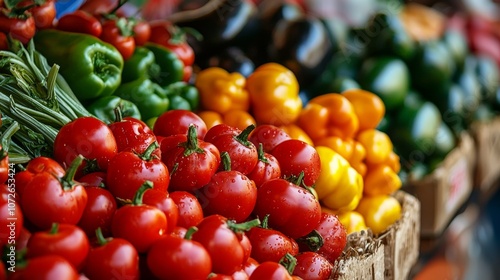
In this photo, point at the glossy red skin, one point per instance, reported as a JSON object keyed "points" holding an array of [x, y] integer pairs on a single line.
{"points": [[35, 166], [269, 135], [173, 258], [44, 14], [116, 259], [178, 231], [4, 166], [141, 225], [22, 179], [334, 236], [81, 22], [44, 201], [45, 267], [133, 136], [193, 171], [165, 203], [250, 265], [243, 157], [312, 266], [127, 172], [9, 205], [4, 42], [20, 29], [142, 32], [174, 122], [265, 171], [293, 210], [271, 271], [94, 179], [69, 242], [190, 210], [295, 156], [246, 245], [161, 34], [222, 244], [230, 194], [101, 205], [270, 245], [98, 6], [87, 136], [112, 34]]}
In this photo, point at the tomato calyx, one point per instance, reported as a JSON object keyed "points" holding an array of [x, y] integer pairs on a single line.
{"points": [[261, 155], [139, 195], [243, 136], [190, 232], [178, 34], [54, 229], [148, 154], [226, 161], [314, 241], [242, 227], [289, 262], [68, 180], [101, 240], [299, 181], [191, 144]]}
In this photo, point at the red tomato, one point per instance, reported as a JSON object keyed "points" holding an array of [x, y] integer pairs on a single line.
{"points": [[270, 245], [271, 271], [269, 135], [63, 200], [4, 165], [334, 236], [128, 171], [247, 246], [93, 179], [175, 258], [96, 7], [179, 232], [174, 122], [4, 42], [45, 267], [191, 162], [243, 153], [101, 205], [133, 135], [11, 216], [80, 21], [23, 238], [230, 194], [190, 210], [142, 32], [20, 29], [312, 266], [35, 166], [296, 156], [123, 42], [174, 38], [162, 201], [139, 223], [267, 168], [250, 265], [89, 137], [65, 240], [221, 242], [44, 14], [293, 210], [113, 258]]}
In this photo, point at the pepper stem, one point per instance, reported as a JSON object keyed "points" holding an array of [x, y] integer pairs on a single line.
{"points": [[190, 232], [289, 262], [118, 114], [54, 229], [100, 238], [139, 195], [261, 154], [246, 226], [148, 153], [226, 161], [243, 136], [191, 145], [265, 222], [313, 240], [68, 180]]}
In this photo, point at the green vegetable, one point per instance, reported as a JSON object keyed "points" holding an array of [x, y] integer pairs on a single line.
{"points": [[91, 67], [183, 96], [171, 67], [150, 98], [141, 64], [104, 108]]}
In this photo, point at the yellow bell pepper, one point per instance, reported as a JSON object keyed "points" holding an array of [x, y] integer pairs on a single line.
{"points": [[378, 145], [329, 115], [211, 118], [221, 91], [274, 94], [352, 221], [381, 180], [339, 186], [380, 212], [235, 118], [296, 132], [342, 146]]}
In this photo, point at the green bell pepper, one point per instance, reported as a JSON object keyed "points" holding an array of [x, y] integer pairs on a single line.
{"points": [[150, 98], [141, 64], [171, 67], [183, 96], [104, 108], [91, 67]]}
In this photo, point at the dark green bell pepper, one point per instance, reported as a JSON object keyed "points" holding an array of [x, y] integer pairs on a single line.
{"points": [[91, 67], [171, 68], [183, 96], [104, 108], [150, 98], [141, 64]]}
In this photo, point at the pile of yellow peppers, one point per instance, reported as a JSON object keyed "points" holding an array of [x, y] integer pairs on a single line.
{"points": [[359, 169]]}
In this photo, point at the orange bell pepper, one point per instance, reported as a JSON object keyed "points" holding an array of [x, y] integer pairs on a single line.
{"points": [[238, 118], [381, 180], [296, 132], [274, 94], [211, 118], [377, 144], [329, 114], [339, 145], [369, 107]]}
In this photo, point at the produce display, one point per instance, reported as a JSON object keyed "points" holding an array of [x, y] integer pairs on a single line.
{"points": [[222, 139]]}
